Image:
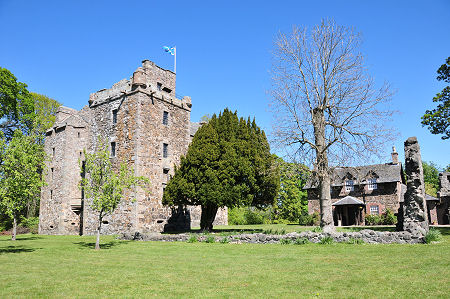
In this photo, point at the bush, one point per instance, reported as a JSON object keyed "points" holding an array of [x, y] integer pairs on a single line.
{"points": [[433, 235], [253, 217], [355, 241], [224, 240], [285, 241], [326, 240], [309, 220], [210, 239], [387, 218], [301, 241], [192, 239], [317, 229], [31, 224], [247, 215]]}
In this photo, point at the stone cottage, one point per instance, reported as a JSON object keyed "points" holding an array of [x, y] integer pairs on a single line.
{"points": [[439, 208], [147, 127]]}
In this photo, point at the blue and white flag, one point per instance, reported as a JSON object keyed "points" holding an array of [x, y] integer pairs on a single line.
{"points": [[170, 50]]}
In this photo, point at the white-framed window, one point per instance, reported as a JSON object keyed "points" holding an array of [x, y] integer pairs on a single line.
{"points": [[372, 184], [349, 186], [374, 210]]}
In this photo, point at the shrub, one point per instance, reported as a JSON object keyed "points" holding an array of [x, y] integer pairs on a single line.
{"points": [[210, 239], [224, 240], [355, 241], [373, 219], [317, 229], [253, 217], [326, 240], [192, 239], [285, 241], [267, 231], [433, 235], [247, 215], [388, 217], [309, 220], [301, 241], [31, 224], [236, 216]]}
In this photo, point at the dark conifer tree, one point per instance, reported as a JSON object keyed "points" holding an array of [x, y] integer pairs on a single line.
{"points": [[228, 164]]}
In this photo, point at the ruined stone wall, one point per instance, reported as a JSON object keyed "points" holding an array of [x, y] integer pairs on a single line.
{"points": [[61, 197]]}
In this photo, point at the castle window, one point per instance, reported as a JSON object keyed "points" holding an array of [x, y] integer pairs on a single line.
{"points": [[114, 116], [349, 186], [372, 184], [113, 149], [78, 134], [159, 86], [165, 150], [374, 210], [52, 172], [51, 194], [165, 118], [53, 152]]}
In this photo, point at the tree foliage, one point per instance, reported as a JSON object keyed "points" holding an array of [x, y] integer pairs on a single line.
{"points": [[438, 119], [325, 104], [45, 110], [20, 174], [292, 201], [228, 164], [431, 178], [104, 185], [16, 105]]}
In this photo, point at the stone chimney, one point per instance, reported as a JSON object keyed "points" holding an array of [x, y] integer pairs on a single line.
{"points": [[394, 155]]}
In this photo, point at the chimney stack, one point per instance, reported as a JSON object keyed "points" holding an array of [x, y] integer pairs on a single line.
{"points": [[394, 155]]}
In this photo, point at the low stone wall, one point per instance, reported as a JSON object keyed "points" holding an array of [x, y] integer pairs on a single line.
{"points": [[366, 235]]}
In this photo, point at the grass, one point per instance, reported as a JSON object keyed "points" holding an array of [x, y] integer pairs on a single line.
{"points": [[67, 266]]}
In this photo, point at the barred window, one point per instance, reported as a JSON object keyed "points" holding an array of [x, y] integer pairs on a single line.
{"points": [[165, 150], [374, 210], [349, 185], [165, 118], [372, 184], [114, 116]]}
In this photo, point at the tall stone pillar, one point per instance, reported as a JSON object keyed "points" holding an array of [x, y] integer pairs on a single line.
{"points": [[415, 218]]}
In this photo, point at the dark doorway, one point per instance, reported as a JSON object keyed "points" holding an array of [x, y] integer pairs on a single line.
{"points": [[347, 215]]}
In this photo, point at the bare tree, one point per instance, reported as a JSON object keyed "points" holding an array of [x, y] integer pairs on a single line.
{"points": [[325, 105]]}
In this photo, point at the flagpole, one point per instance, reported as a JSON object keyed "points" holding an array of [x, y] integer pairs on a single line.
{"points": [[175, 60]]}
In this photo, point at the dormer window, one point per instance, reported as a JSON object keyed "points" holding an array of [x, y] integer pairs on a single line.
{"points": [[372, 184], [349, 186]]}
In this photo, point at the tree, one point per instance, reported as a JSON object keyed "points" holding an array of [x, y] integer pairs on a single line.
{"points": [[438, 120], [16, 109], [20, 178], [228, 164], [325, 105], [45, 110], [291, 200], [431, 178], [104, 185]]}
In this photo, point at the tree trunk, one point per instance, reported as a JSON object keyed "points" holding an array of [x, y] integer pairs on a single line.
{"points": [[14, 230], [97, 243], [322, 170], [207, 218]]}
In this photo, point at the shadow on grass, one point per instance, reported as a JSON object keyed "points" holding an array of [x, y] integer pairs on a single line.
{"points": [[24, 238], [107, 245], [16, 249]]}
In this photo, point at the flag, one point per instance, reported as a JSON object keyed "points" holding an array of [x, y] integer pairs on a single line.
{"points": [[170, 50]]}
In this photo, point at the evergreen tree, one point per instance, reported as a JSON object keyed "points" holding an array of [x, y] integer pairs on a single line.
{"points": [[228, 164]]}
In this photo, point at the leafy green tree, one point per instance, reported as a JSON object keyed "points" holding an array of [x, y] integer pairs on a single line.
{"points": [[20, 175], [228, 164], [16, 104], [104, 185], [438, 120], [431, 178], [292, 201], [45, 110]]}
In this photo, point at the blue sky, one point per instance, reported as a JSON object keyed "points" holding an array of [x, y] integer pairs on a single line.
{"points": [[69, 49]]}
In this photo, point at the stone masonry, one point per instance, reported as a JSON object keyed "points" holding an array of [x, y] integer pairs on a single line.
{"points": [[148, 128], [415, 218]]}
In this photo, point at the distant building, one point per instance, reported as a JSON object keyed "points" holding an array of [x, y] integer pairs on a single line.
{"points": [[370, 190], [440, 207], [147, 127]]}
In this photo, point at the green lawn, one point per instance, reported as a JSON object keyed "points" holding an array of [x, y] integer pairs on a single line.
{"points": [[67, 266]]}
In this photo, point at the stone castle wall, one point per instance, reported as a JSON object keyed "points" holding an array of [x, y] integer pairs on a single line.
{"points": [[139, 135]]}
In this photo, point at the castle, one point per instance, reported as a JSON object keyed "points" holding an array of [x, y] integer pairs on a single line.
{"points": [[147, 127]]}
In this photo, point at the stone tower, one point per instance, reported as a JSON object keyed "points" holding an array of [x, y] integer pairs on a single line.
{"points": [[148, 128]]}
